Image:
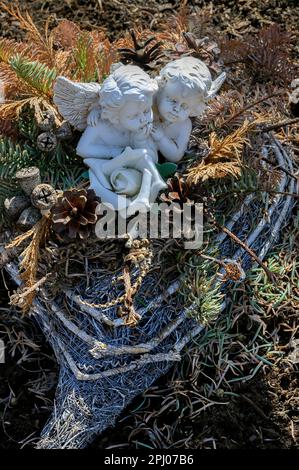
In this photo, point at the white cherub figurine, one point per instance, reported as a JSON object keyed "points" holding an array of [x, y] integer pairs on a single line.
{"points": [[185, 86], [116, 145]]}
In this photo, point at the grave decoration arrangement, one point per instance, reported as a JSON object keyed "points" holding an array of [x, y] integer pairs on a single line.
{"points": [[169, 118]]}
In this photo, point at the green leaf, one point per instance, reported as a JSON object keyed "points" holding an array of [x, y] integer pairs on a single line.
{"points": [[166, 169]]}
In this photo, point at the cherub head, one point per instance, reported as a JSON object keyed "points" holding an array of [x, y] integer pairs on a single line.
{"points": [[185, 86], [126, 98]]}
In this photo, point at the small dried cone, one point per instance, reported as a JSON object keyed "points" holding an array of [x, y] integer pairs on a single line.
{"points": [[28, 218], [43, 197], [64, 132], [75, 213], [47, 141], [233, 271], [28, 178], [15, 206], [47, 121], [178, 190]]}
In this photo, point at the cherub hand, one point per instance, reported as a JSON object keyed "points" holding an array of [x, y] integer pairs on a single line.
{"points": [[93, 117], [156, 133]]}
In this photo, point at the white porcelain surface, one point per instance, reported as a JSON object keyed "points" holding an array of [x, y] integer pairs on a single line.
{"points": [[128, 119]]}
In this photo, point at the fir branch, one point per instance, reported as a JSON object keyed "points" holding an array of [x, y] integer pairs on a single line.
{"points": [[13, 157], [34, 73]]}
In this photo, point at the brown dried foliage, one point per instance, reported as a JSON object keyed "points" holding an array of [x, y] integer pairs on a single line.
{"points": [[69, 51], [29, 262], [224, 157], [266, 55], [40, 45]]}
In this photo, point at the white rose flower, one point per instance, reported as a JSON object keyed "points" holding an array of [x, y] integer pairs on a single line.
{"points": [[126, 181]]}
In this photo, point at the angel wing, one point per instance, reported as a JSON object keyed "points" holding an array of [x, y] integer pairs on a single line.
{"points": [[216, 84], [75, 100]]}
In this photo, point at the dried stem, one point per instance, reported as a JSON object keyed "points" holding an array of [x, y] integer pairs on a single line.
{"points": [[237, 240], [251, 105], [278, 125]]}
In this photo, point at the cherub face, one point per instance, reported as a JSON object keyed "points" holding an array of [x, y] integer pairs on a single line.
{"points": [[137, 115], [175, 102]]}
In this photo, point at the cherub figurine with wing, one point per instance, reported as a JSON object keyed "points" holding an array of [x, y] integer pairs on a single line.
{"points": [[185, 86], [116, 118]]}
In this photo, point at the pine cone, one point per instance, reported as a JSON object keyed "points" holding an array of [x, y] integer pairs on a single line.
{"points": [[181, 192], [178, 190], [47, 141], [204, 49], [141, 54], [75, 213]]}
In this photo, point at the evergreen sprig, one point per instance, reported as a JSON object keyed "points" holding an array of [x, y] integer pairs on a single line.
{"points": [[37, 75], [202, 289]]}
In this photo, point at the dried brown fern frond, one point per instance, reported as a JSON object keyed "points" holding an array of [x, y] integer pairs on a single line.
{"points": [[172, 30], [224, 157], [41, 44], [180, 21], [234, 51], [230, 146], [265, 55], [91, 57], [12, 109], [82, 55], [222, 107], [198, 26], [12, 86], [9, 47], [108, 56], [65, 35], [216, 171], [231, 108], [200, 21], [29, 262]]}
